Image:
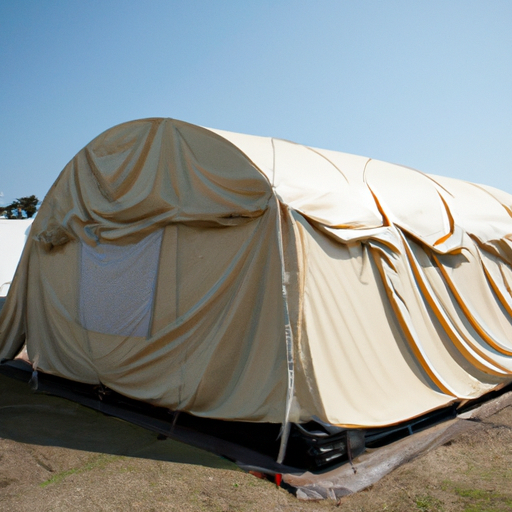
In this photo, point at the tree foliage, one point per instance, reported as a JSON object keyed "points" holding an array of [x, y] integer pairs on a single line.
{"points": [[23, 204]]}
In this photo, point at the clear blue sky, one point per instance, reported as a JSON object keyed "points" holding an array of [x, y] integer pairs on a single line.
{"points": [[424, 83]]}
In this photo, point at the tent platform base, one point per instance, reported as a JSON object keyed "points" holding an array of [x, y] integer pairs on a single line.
{"points": [[374, 464], [253, 447]]}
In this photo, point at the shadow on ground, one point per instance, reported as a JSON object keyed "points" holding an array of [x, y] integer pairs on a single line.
{"points": [[56, 455], [38, 419]]}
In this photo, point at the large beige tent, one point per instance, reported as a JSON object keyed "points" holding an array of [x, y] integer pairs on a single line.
{"points": [[255, 279]]}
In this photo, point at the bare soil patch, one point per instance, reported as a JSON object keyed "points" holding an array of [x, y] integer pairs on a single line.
{"points": [[56, 455]]}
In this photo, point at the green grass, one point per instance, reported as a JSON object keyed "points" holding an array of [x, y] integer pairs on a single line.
{"points": [[479, 500], [98, 462], [427, 503], [479, 507]]}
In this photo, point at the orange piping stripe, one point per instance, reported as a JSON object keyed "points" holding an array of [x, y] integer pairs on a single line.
{"points": [[409, 336], [497, 291], [450, 219], [468, 314], [448, 329]]}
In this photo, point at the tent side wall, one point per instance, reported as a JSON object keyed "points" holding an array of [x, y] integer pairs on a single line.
{"points": [[405, 294]]}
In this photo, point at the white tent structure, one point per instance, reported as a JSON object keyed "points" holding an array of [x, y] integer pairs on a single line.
{"points": [[250, 278], [13, 235]]}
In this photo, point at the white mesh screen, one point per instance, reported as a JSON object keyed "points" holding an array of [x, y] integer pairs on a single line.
{"points": [[117, 286]]}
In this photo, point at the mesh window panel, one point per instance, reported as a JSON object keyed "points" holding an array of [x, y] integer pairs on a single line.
{"points": [[117, 286]]}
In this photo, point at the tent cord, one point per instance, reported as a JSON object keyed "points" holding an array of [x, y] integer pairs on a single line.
{"points": [[285, 430]]}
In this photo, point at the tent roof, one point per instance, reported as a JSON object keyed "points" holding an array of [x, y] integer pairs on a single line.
{"points": [[345, 192]]}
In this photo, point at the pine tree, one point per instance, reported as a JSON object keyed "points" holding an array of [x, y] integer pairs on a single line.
{"points": [[26, 204]]}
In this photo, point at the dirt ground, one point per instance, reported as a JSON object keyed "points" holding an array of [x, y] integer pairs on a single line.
{"points": [[56, 455]]}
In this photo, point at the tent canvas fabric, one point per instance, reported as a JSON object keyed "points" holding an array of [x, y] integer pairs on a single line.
{"points": [[250, 278]]}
